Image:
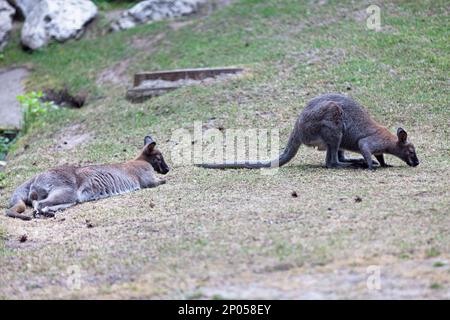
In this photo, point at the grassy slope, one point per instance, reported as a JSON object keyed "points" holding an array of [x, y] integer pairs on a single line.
{"points": [[240, 233]]}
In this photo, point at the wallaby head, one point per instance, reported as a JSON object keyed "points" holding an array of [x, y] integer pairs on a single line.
{"points": [[405, 150], [153, 156]]}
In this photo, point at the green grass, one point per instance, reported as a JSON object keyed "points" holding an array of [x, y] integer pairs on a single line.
{"points": [[432, 253], [3, 239], [74, 64], [114, 4], [436, 286], [218, 228], [438, 264]]}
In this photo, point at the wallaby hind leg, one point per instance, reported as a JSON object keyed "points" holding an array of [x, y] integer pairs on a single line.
{"points": [[380, 158], [331, 134], [57, 199], [333, 139], [332, 160]]}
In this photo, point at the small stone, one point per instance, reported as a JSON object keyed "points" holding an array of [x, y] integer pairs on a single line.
{"points": [[358, 199], [151, 10], [294, 194], [23, 238]]}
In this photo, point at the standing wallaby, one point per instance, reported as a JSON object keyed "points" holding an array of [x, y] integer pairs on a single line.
{"points": [[63, 187], [334, 122]]}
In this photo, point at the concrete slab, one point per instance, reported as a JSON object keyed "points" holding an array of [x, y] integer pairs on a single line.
{"points": [[152, 84], [11, 86]]}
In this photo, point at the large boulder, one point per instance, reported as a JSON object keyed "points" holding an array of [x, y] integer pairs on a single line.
{"points": [[6, 14], [56, 19], [154, 10], [24, 6]]}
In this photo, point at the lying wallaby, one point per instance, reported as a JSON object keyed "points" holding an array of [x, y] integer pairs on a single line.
{"points": [[334, 122], [63, 187]]}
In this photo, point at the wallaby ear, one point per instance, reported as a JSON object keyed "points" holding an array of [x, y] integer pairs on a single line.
{"points": [[150, 143], [148, 140], [151, 146], [402, 135]]}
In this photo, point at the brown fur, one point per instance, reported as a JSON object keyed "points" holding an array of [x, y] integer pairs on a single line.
{"points": [[334, 122], [62, 187]]}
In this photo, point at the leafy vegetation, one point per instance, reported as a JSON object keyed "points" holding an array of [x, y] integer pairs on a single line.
{"points": [[114, 4], [4, 146], [34, 108]]}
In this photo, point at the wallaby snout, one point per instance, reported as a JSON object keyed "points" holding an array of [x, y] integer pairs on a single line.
{"points": [[413, 163], [406, 151], [154, 156], [158, 163]]}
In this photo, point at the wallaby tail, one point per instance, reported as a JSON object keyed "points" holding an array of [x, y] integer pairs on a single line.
{"points": [[289, 152], [12, 214], [18, 201]]}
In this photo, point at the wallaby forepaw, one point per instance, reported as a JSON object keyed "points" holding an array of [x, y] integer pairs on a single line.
{"points": [[44, 212]]}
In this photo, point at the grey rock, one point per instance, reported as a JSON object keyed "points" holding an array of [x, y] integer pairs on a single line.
{"points": [[24, 6], [56, 19], [154, 10], [11, 86], [6, 14]]}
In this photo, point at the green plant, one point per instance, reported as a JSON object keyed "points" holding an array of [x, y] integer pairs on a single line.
{"points": [[438, 264], [112, 4], [4, 146], [432, 252], [7, 139], [34, 107], [436, 286], [2, 178]]}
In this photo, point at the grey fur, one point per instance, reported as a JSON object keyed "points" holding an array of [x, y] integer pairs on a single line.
{"points": [[334, 122], [62, 187]]}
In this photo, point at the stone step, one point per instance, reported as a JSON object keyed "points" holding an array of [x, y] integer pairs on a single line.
{"points": [[11, 86], [151, 84]]}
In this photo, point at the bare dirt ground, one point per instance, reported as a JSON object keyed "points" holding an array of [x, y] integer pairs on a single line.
{"points": [[239, 234]]}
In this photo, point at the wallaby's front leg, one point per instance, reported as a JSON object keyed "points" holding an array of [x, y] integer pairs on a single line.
{"points": [[160, 182], [154, 183], [366, 153], [380, 158]]}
